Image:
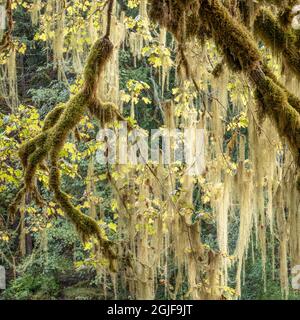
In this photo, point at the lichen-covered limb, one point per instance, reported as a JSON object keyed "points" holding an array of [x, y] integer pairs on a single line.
{"points": [[211, 16], [230, 36], [240, 52], [293, 100], [49, 143], [274, 103], [86, 226], [53, 116], [279, 39], [237, 44], [285, 7]]}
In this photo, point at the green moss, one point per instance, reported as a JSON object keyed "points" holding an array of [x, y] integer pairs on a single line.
{"points": [[53, 116], [105, 112], [292, 99], [246, 9], [211, 18], [282, 4], [280, 40], [274, 102], [268, 27], [297, 35], [181, 17], [58, 125], [230, 36], [242, 54], [97, 58]]}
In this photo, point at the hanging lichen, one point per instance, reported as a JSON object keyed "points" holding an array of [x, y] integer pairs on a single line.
{"points": [[280, 40], [174, 221]]}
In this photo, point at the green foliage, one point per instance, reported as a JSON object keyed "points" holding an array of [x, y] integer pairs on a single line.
{"points": [[32, 287], [81, 293], [40, 274], [46, 98], [253, 288]]}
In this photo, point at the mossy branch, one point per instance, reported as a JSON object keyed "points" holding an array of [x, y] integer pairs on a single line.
{"points": [[281, 41], [230, 36], [284, 7], [292, 99], [237, 44], [49, 143], [282, 4], [242, 54], [273, 102]]}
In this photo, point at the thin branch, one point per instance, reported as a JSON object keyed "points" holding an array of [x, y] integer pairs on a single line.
{"points": [[109, 15]]}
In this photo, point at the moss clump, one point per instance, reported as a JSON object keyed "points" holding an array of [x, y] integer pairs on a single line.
{"points": [[58, 125], [292, 99], [270, 30], [106, 112], [280, 40], [285, 17], [181, 17], [241, 53], [53, 116], [218, 69], [274, 102], [96, 61], [211, 18], [230, 36]]}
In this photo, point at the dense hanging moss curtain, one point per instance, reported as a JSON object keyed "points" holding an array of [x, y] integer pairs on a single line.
{"points": [[213, 67]]}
